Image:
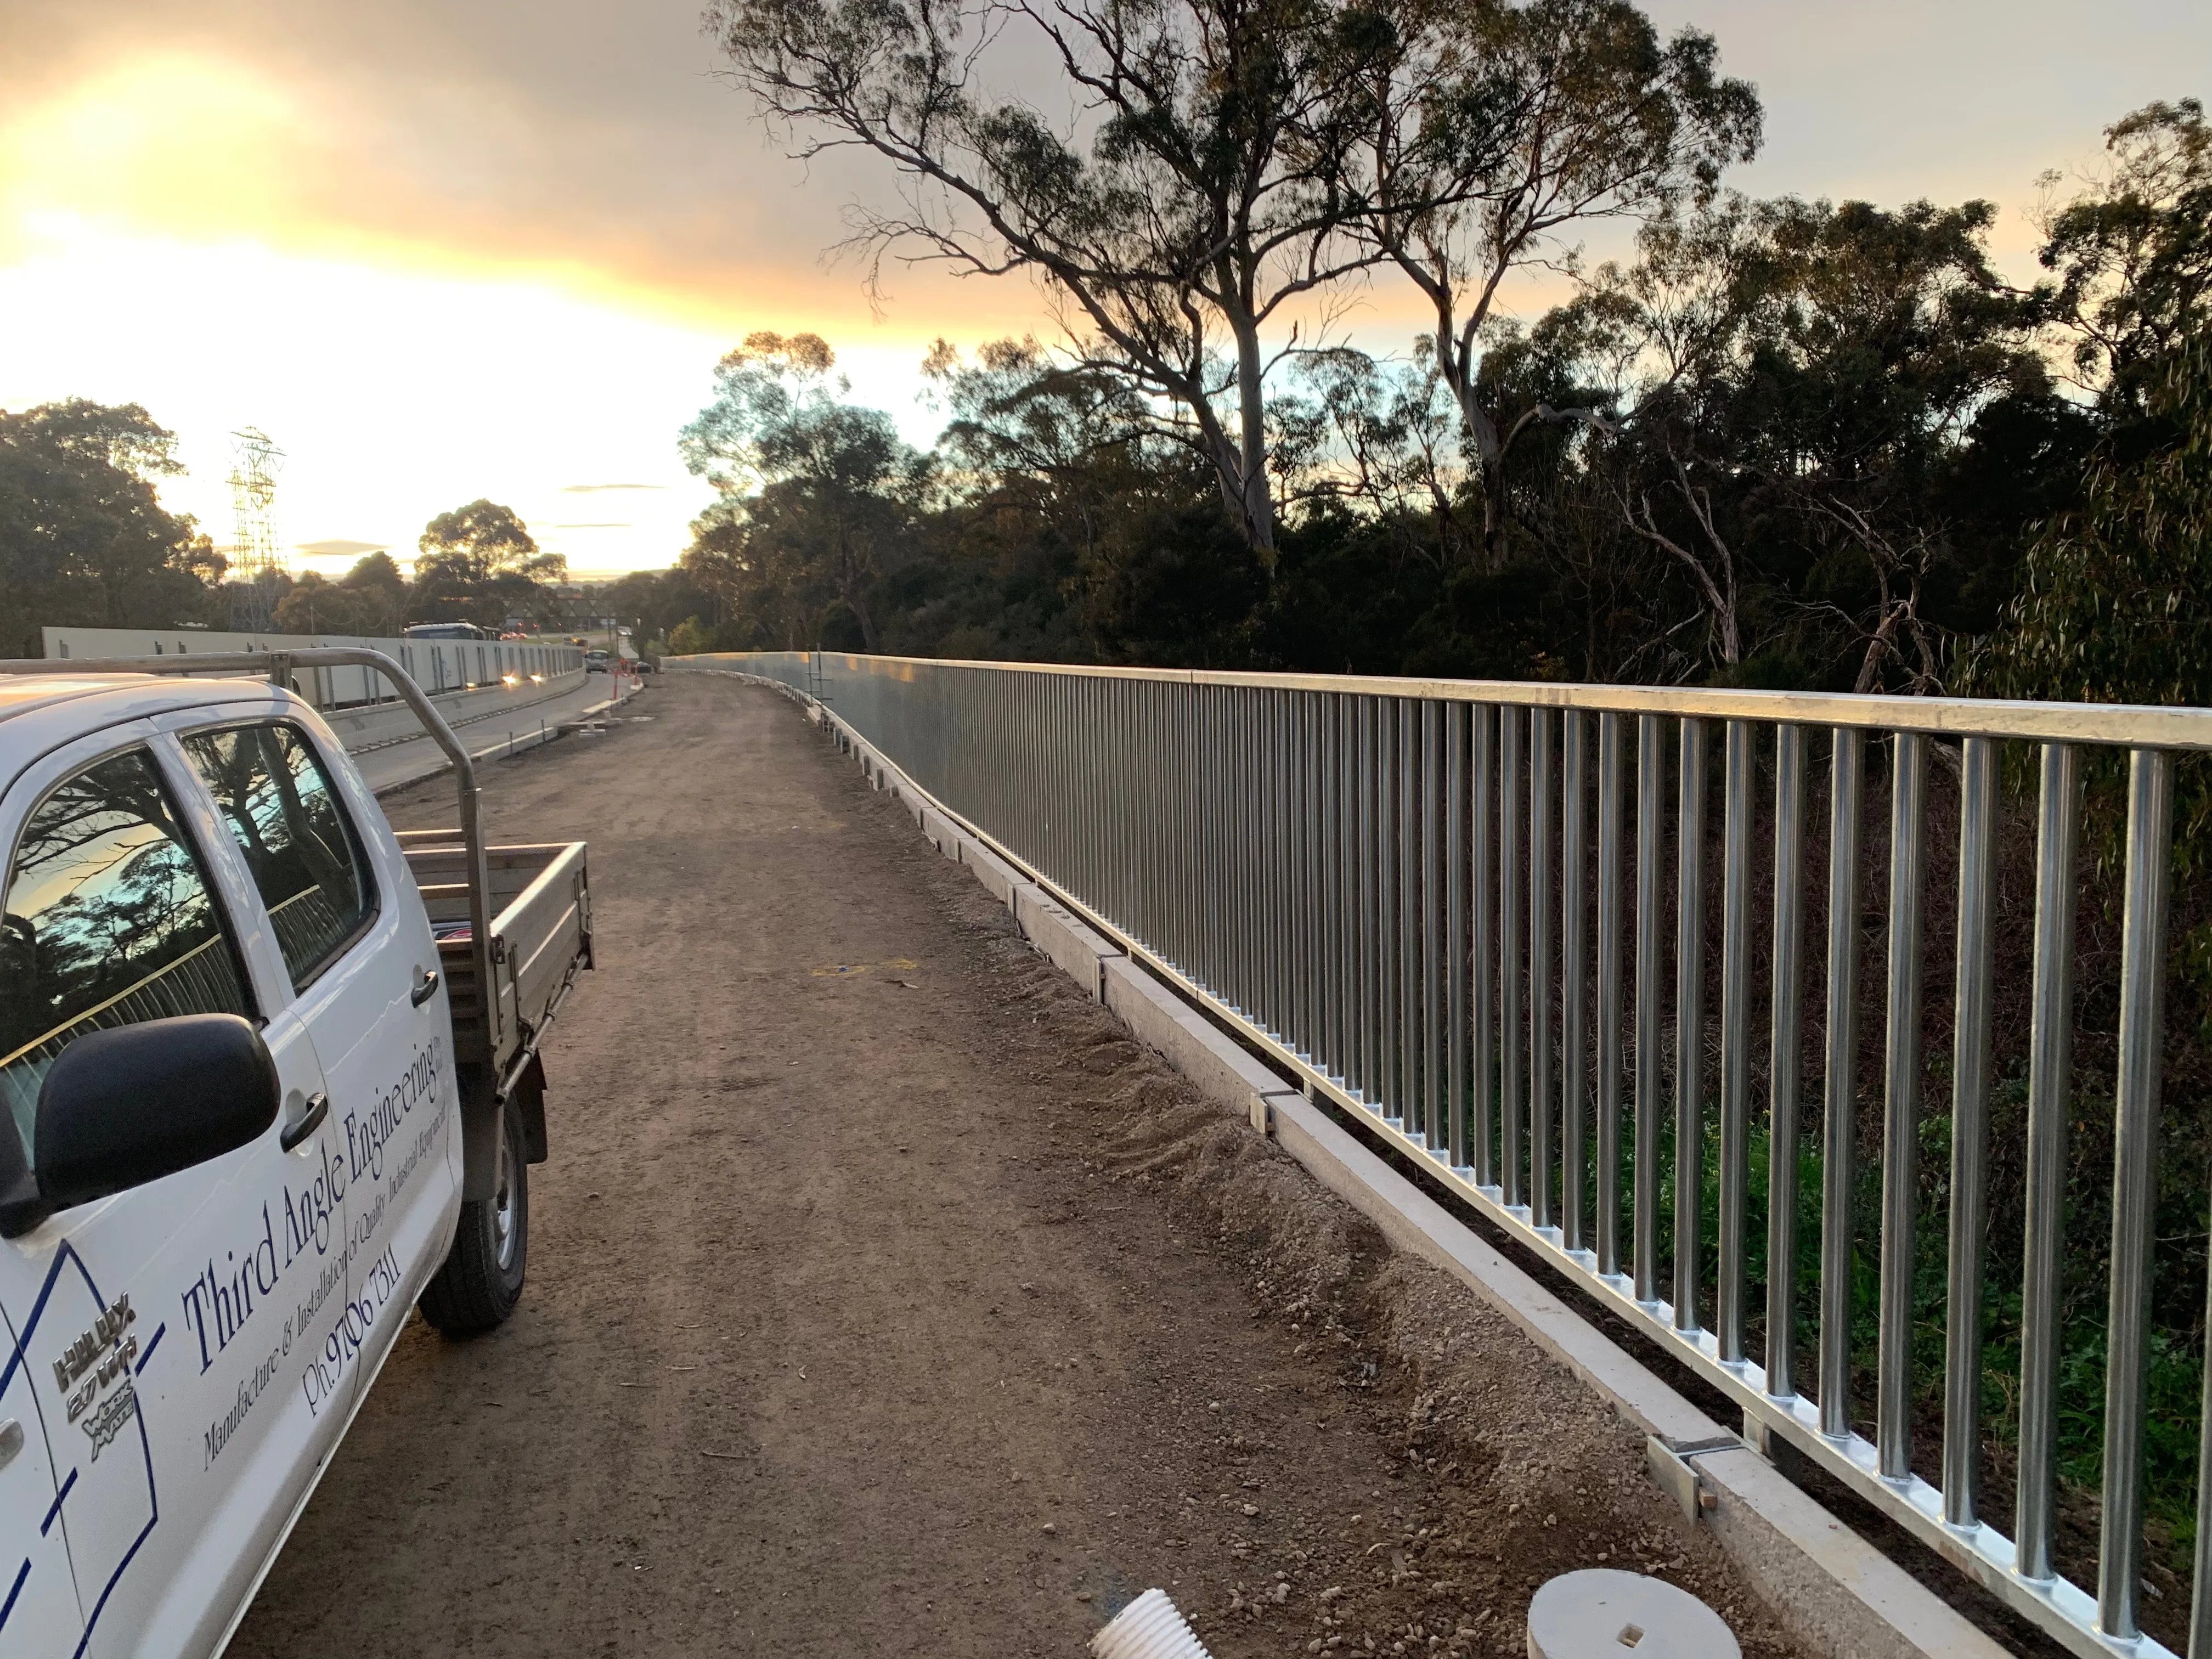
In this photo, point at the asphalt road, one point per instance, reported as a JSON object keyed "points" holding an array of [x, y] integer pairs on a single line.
{"points": [[886, 1299]]}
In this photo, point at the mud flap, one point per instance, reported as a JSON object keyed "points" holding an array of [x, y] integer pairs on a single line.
{"points": [[480, 1110], [530, 1102]]}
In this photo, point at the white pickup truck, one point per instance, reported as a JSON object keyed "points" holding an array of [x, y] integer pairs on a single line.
{"points": [[270, 1077]]}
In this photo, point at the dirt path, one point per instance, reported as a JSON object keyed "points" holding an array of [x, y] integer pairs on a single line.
{"points": [[886, 1299]]}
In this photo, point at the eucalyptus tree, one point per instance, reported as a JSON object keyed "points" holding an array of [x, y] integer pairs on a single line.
{"points": [[1583, 114], [816, 494], [84, 538], [1196, 207], [480, 563], [2131, 254], [1802, 402]]}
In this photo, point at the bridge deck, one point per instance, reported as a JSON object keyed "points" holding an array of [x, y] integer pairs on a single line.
{"points": [[886, 1299]]}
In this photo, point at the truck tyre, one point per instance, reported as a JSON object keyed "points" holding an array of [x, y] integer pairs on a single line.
{"points": [[482, 1280]]}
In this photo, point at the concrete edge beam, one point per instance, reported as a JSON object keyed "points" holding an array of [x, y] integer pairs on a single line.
{"points": [[941, 834], [998, 879], [1216, 1067], [1069, 943], [1834, 1589]]}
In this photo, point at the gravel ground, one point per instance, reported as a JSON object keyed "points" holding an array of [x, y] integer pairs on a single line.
{"points": [[886, 1298]]}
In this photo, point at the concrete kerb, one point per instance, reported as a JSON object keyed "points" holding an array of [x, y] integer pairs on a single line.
{"points": [[1000, 878], [1832, 1587], [1069, 942], [1836, 1591], [1190, 1042]]}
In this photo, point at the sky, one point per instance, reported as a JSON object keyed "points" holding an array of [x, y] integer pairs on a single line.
{"points": [[445, 249]]}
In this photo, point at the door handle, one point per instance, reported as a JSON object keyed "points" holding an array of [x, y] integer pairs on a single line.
{"points": [[318, 1108], [11, 1441], [425, 987]]}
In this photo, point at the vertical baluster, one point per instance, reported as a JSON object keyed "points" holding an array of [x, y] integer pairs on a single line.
{"points": [[1786, 1061], [2135, 1184], [1370, 935], [1220, 944], [1574, 980], [2050, 1092], [1350, 924], [1612, 784], [1278, 946], [1310, 879], [1246, 803], [1432, 898], [1222, 948], [1541, 1099], [1389, 825], [1482, 960], [1455, 930], [1306, 735], [1689, 1022], [1331, 714], [1735, 1040], [1839, 1103], [1257, 804], [1970, 1119], [1409, 920], [1648, 1090], [1248, 800], [1204, 876], [1901, 1164], [2200, 1580], [1328, 1055], [1281, 947], [1513, 724]]}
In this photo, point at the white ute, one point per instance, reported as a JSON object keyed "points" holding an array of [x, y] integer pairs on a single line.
{"points": [[270, 1077]]}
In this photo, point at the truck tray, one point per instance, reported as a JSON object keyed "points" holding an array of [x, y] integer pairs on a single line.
{"points": [[540, 935]]}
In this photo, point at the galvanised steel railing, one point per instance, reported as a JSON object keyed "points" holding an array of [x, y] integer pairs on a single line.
{"points": [[1416, 895]]}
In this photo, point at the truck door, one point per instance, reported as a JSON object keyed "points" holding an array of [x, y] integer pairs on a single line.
{"points": [[363, 970], [164, 1329], [39, 1611]]}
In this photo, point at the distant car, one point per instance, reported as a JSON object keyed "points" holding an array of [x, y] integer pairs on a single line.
{"points": [[443, 631], [644, 666], [595, 662]]}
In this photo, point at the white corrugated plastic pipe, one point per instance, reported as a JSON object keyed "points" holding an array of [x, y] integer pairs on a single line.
{"points": [[1148, 1628]]}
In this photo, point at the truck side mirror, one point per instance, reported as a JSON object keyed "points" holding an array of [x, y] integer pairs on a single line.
{"points": [[121, 1108]]}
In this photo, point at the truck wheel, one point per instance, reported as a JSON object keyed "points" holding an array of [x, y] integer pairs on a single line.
{"points": [[482, 1280]]}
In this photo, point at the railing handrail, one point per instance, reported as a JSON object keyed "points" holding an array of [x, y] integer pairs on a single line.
{"points": [[2134, 726], [1369, 880]]}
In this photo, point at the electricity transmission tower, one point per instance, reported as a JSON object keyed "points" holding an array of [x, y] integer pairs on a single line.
{"points": [[257, 565]]}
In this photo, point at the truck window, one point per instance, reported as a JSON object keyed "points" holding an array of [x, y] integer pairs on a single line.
{"points": [[303, 852], [110, 920]]}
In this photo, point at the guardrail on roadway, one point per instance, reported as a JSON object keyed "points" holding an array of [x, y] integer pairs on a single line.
{"points": [[439, 666], [1417, 894]]}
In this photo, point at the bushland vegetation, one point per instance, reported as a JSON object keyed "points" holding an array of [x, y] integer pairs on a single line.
{"points": [[1786, 443]]}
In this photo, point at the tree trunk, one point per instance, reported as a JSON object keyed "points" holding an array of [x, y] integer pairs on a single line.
{"points": [[857, 600], [1455, 361], [1257, 506]]}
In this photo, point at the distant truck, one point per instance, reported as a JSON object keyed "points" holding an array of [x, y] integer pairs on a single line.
{"points": [[272, 1075]]}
